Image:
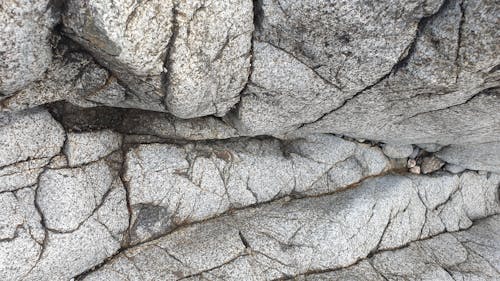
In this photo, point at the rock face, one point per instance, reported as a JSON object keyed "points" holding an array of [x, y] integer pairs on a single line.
{"points": [[249, 140], [191, 58]]}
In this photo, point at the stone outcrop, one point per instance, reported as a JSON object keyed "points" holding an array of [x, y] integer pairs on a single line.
{"points": [[249, 140]]}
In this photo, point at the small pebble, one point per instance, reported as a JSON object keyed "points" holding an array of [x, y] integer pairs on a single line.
{"points": [[431, 164], [411, 163], [415, 170]]}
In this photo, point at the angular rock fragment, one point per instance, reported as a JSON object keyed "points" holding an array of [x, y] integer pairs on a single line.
{"points": [[28, 141], [29, 135], [431, 164], [397, 151]]}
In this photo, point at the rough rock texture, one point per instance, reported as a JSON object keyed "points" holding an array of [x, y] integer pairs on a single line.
{"points": [[172, 185], [287, 238], [249, 140], [25, 49], [191, 58], [465, 255], [483, 156]]}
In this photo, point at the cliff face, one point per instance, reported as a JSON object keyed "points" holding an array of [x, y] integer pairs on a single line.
{"points": [[240, 140]]}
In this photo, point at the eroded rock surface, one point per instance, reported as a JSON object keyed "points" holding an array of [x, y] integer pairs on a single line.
{"points": [[287, 238], [249, 140], [191, 58]]}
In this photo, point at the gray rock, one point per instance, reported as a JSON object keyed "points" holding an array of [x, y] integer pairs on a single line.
{"points": [[431, 164], [25, 49], [288, 238], [358, 272], [191, 57], [430, 147], [194, 182], [82, 148], [21, 233], [465, 255], [425, 98], [71, 76], [240, 140], [29, 135], [21, 174], [454, 169], [76, 193], [70, 221], [484, 156], [397, 151], [314, 56], [455, 256]]}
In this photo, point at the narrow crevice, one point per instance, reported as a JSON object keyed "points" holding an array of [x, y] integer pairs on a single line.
{"points": [[459, 40], [489, 91], [169, 51], [126, 186], [257, 21]]}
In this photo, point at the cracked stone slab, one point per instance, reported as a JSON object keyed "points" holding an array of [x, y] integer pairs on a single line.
{"points": [[470, 254], [72, 75], [171, 185], [25, 49], [291, 237], [191, 58], [21, 174], [69, 220], [22, 234]]}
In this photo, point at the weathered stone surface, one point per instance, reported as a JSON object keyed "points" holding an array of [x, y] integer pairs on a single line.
{"points": [[70, 76], [28, 135], [471, 254], [25, 50], [249, 140], [443, 93], [171, 185], [287, 238], [71, 220], [82, 148], [327, 50], [192, 57]]}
